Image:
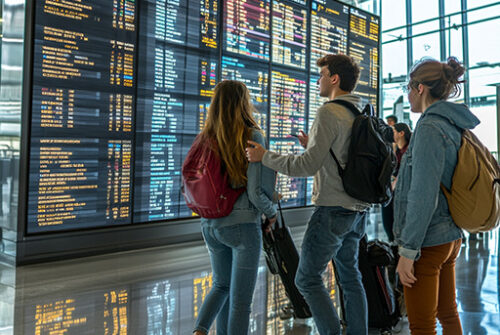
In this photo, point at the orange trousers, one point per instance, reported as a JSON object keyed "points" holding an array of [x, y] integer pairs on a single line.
{"points": [[433, 295]]}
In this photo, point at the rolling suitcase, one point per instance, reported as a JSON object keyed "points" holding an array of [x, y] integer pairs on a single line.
{"points": [[283, 259], [373, 258]]}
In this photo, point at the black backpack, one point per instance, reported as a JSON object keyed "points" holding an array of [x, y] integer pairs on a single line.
{"points": [[370, 160]]}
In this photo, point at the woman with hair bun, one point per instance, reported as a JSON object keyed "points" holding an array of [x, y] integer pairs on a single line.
{"points": [[428, 239]]}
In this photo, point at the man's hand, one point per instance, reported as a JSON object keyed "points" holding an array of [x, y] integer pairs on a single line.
{"points": [[405, 270], [255, 152], [303, 139]]}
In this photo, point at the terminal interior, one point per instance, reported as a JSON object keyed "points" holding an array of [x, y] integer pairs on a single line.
{"points": [[101, 100]]}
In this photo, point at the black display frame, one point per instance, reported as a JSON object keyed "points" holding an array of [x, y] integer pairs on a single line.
{"points": [[52, 245]]}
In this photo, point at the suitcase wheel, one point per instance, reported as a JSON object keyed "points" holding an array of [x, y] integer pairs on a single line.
{"points": [[286, 312]]}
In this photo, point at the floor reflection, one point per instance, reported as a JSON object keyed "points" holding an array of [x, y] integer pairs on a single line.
{"points": [[477, 284], [160, 291]]}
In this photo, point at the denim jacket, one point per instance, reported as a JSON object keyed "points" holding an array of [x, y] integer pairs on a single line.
{"points": [[259, 197], [421, 214]]}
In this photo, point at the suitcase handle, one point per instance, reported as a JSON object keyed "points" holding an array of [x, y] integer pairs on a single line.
{"points": [[281, 216]]}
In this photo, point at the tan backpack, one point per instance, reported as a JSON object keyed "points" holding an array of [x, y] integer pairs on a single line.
{"points": [[474, 198]]}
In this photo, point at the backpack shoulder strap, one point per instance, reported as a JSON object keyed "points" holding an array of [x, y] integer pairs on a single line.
{"points": [[347, 105], [354, 110]]}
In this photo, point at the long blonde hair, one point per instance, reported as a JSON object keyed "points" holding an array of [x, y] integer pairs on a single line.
{"points": [[230, 122]]}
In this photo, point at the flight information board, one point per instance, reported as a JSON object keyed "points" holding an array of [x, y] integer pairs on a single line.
{"points": [[329, 29], [364, 47], [247, 27], [288, 116], [176, 77], [121, 88], [289, 34], [82, 114]]}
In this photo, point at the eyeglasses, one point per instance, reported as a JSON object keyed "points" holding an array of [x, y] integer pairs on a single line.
{"points": [[407, 88]]}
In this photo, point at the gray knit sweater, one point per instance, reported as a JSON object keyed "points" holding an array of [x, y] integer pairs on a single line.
{"points": [[330, 129]]}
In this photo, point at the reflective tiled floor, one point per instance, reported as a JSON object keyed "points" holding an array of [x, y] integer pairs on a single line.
{"points": [[159, 291]]}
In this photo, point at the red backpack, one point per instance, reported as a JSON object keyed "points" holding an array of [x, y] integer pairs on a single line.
{"points": [[205, 186]]}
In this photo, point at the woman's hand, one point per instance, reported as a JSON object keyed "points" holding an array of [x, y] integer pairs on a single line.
{"points": [[269, 224], [255, 152], [405, 271], [303, 139], [393, 183]]}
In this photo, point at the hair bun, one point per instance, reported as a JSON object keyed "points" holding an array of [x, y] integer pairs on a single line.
{"points": [[455, 69]]}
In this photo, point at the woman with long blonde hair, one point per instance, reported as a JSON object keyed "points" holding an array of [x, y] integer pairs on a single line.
{"points": [[234, 241]]}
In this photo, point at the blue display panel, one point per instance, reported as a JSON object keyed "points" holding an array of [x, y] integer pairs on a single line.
{"points": [[246, 27], [120, 90], [288, 116], [315, 102], [256, 78], [329, 29], [175, 84], [83, 104], [363, 46], [289, 34]]}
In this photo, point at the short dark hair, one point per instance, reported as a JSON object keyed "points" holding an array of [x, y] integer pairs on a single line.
{"points": [[393, 117], [345, 66]]}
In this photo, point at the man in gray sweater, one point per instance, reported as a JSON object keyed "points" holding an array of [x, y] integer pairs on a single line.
{"points": [[338, 221]]}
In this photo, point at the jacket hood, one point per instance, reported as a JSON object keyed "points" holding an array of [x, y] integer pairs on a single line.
{"points": [[353, 99], [457, 114]]}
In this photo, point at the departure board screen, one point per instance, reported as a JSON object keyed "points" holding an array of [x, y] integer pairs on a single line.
{"points": [[329, 29], [176, 77], [256, 78], [289, 34], [364, 47], [247, 27], [288, 116], [121, 88], [82, 114], [315, 102]]}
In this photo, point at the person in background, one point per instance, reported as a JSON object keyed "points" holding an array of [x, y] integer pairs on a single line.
{"points": [[429, 241], [391, 120], [402, 136], [234, 241], [338, 221]]}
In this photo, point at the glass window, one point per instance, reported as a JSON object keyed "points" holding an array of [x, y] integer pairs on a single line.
{"points": [[474, 15], [480, 14], [483, 102], [484, 41], [394, 59], [452, 6], [453, 43], [486, 131], [390, 95], [393, 14], [480, 81], [426, 46], [370, 6], [11, 44], [424, 9], [427, 27]]}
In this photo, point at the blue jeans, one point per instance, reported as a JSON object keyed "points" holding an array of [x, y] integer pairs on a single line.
{"points": [[234, 254], [333, 233]]}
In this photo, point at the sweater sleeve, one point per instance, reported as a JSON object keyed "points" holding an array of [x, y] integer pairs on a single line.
{"points": [[321, 137]]}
